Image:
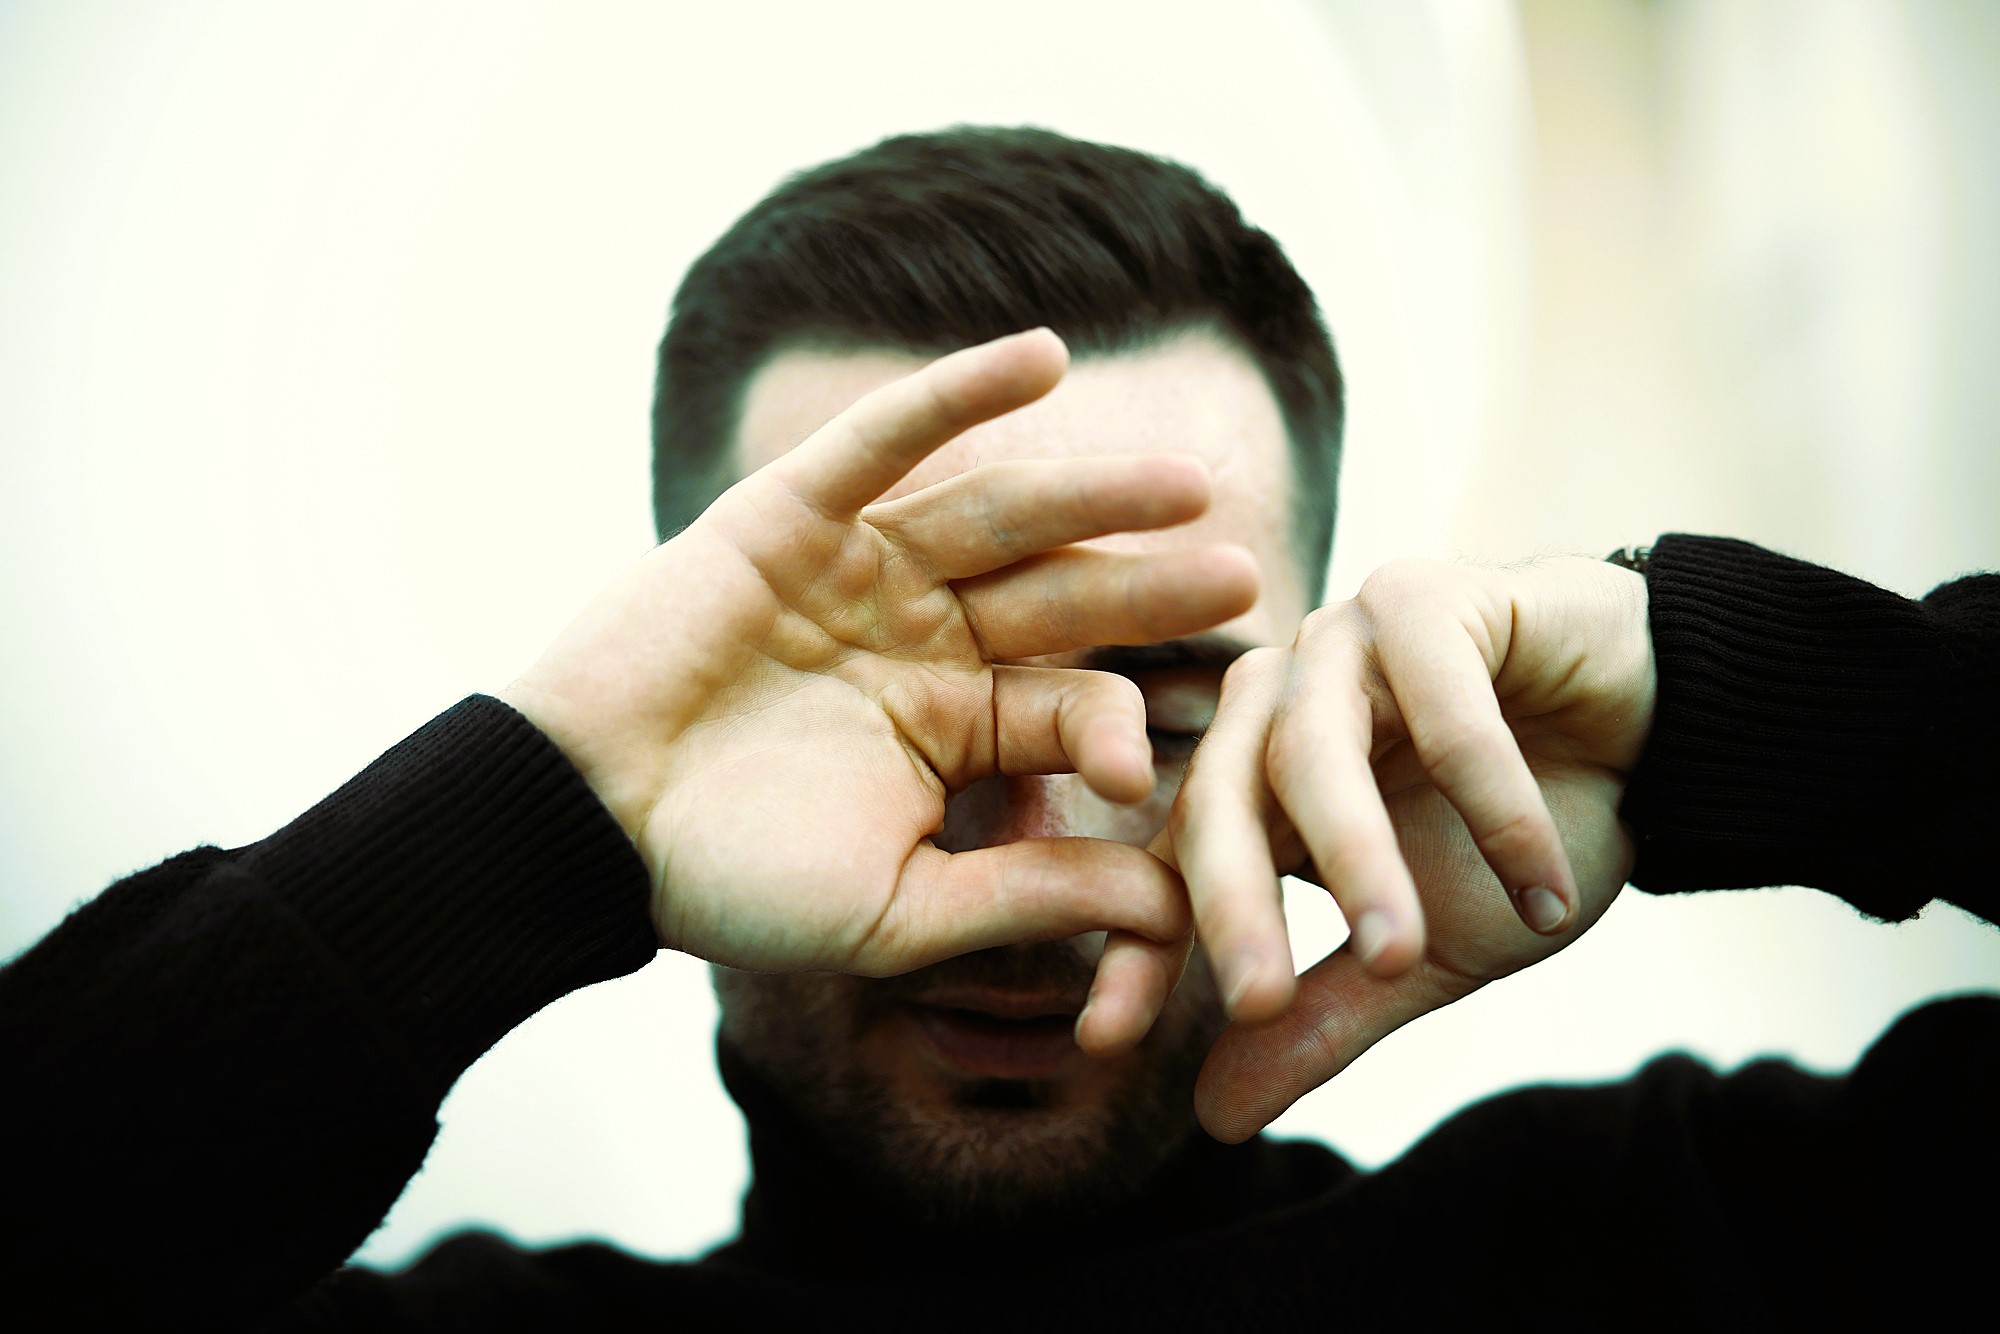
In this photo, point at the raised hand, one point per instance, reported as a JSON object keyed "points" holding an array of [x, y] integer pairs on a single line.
{"points": [[776, 703], [1445, 754]]}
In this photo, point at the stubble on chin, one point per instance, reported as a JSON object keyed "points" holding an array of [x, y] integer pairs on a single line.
{"points": [[972, 1154]]}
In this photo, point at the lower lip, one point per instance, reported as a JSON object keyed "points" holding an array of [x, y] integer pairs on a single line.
{"points": [[999, 1048]]}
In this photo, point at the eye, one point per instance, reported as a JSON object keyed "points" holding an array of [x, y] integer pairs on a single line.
{"points": [[1172, 747], [1179, 705]]}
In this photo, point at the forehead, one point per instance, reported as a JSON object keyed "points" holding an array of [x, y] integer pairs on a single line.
{"points": [[1196, 393]]}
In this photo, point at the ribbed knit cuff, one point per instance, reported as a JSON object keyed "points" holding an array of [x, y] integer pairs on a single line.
{"points": [[1797, 722], [469, 877]]}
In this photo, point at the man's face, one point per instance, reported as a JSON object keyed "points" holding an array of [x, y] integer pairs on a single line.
{"points": [[958, 1088]]}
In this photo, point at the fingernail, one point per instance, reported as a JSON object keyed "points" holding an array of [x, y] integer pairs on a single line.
{"points": [[1371, 934], [1543, 909], [1076, 1033]]}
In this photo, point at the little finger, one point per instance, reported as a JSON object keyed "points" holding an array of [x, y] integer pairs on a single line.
{"points": [[1443, 687]]}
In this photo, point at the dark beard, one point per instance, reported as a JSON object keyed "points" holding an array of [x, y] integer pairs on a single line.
{"points": [[1011, 1158], [1008, 1155]]}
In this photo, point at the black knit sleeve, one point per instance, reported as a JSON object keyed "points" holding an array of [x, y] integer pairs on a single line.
{"points": [[1813, 729], [1767, 1197], [225, 1069]]}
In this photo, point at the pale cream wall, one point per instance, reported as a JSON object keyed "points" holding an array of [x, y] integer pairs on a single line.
{"points": [[1717, 266], [1761, 273]]}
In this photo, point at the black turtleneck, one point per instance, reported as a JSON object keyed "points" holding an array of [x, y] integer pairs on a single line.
{"points": [[226, 1068]]}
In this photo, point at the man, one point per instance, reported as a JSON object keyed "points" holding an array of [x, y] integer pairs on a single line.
{"points": [[960, 1086], [833, 717]]}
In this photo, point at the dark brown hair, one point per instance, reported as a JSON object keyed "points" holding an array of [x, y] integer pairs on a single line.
{"points": [[931, 242]]}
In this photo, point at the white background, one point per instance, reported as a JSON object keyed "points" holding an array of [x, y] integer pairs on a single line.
{"points": [[326, 339]]}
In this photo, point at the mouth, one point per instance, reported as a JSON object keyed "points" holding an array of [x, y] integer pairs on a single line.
{"points": [[1000, 1035]]}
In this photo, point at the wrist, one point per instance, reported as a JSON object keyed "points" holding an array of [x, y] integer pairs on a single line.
{"points": [[466, 878], [1793, 711], [580, 734]]}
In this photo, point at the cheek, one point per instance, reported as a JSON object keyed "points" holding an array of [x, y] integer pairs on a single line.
{"points": [[1135, 825], [774, 1017], [1193, 1018], [1167, 776]]}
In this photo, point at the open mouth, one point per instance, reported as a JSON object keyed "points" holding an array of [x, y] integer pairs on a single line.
{"points": [[978, 1043]]}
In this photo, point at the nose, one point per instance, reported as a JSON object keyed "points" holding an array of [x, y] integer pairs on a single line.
{"points": [[1001, 810]]}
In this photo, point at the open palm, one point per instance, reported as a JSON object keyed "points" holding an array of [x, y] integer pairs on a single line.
{"points": [[777, 703]]}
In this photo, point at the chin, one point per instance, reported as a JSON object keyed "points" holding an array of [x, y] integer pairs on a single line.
{"points": [[1003, 1154], [935, 1133]]}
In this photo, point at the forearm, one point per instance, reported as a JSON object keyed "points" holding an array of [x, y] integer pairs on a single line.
{"points": [[228, 1066], [1813, 729]]}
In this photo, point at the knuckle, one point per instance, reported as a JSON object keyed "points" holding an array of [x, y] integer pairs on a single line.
{"points": [[1286, 759], [1397, 581], [1514, 835], [1332, 623], [1356, 853], [1333, 618], [1181, 819], [1321, 620], [1250, 668], [1456, 748]]}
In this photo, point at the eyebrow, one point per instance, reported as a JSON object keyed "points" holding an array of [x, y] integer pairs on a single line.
{"points": [[1213, 651]]}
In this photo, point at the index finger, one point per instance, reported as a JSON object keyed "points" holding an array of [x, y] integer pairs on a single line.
{"points": [[853, 459]]}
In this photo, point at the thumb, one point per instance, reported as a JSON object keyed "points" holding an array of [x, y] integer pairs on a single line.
{"points": [[1254, 1072]]}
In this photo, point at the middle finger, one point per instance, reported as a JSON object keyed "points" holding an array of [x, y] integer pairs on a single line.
{"points": [[1083, 597]]}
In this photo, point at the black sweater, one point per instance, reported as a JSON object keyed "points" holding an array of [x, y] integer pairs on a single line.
{"points": [[226, 1068]]}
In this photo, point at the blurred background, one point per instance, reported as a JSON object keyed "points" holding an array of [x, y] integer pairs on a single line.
{"points": [[326, 338]]}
